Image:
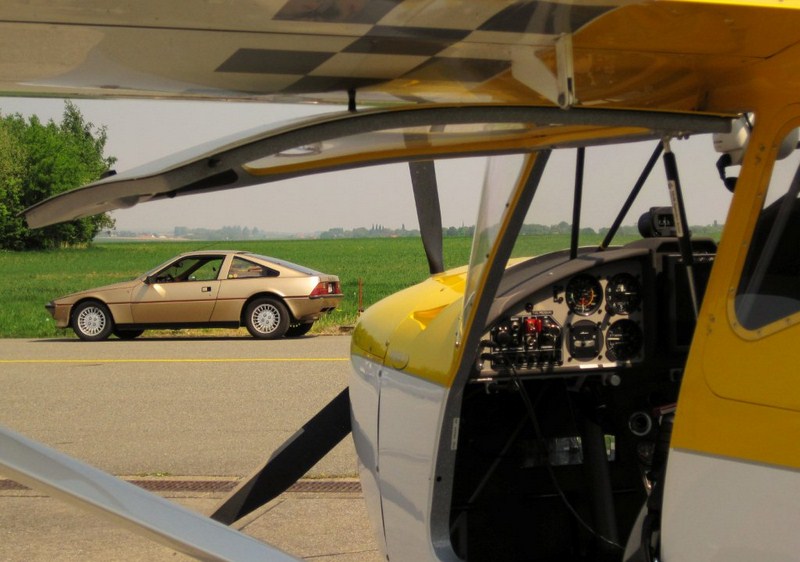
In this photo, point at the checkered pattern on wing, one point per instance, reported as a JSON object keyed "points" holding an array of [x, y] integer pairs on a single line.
{"points": [[359, 44]]}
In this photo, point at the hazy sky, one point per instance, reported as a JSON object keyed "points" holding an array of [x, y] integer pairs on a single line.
{"points": [[142, 131]]}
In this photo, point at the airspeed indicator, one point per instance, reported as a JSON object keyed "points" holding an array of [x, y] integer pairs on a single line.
{"points": [[584, 294]]}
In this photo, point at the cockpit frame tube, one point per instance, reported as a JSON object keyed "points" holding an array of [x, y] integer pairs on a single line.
{"points": [[681, 226], [580, 159]]}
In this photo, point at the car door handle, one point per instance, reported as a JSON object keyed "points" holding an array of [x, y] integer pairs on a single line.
{"points": [[205, 289]]}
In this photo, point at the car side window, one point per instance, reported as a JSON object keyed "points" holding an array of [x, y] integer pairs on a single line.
{"points": [[243, 269], [769, 289], [208, 270], [194, 268]]}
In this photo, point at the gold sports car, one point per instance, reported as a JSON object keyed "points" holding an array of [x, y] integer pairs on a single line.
{"points": [[219, 289]]}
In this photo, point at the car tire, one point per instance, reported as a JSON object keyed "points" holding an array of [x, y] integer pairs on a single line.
{"points": [[266, 318], [128, 334], [297, 330], [92, 321]]}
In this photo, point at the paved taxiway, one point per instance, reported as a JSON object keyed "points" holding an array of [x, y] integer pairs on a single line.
{"points": [[176, 409]]}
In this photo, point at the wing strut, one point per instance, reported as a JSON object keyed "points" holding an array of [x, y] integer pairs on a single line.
{"points": [[632, 197], [292, 460], [142, 512], [429, 213]]}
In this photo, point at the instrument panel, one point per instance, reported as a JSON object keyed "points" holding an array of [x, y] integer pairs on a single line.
{"points": [[593, 319]]}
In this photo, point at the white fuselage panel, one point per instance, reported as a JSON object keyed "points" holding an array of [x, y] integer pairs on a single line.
{"points": [[396, 428], [724, 509]]}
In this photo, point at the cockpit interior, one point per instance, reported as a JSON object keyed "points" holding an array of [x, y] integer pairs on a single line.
{"points": [[566, 416], [579, 371]]}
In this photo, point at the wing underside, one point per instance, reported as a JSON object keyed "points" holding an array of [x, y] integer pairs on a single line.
{"points": [[350, 140], [615, 53]]}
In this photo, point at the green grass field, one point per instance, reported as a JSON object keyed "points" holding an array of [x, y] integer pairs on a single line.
{"points": [[385, 265]]}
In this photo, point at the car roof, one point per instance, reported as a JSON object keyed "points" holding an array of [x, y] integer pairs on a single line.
{"points": [[211, 253]]}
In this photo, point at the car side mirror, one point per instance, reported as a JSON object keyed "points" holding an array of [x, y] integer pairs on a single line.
{"points": [[149, 280]]}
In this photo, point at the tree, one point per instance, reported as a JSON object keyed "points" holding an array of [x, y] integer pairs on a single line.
{"points": [[38, 161]]}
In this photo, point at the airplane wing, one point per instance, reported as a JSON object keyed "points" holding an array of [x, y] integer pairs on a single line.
{"points": [[287, 49], [327, 143], [615, 53]]}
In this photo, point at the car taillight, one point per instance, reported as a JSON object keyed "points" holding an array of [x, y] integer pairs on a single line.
{"points": [[326, 288]]}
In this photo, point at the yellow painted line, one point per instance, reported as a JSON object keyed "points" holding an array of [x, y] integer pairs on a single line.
{"points": [[228, 360]]}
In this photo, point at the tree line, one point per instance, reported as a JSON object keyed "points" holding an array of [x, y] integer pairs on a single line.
{"points": [[239, 233]]}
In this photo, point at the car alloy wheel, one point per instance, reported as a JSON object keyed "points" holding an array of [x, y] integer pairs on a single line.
{"points": [[92, 321], [267, 318]]}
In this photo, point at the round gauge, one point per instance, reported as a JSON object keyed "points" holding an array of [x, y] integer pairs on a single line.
{"points": [[623, 340], [623, 294], [584, 294], [585, 340]]}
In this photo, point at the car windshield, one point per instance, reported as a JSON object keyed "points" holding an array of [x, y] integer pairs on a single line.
{"points": [[286, 264]]}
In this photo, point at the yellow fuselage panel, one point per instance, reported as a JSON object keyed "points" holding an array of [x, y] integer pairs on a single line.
{"points": [[415, 331], [740, 396]]}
